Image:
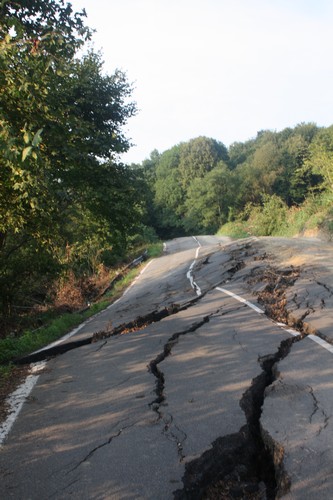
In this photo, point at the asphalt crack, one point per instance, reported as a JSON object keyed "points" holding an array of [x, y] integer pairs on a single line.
{"points": [[236, 339], [137, 324], [153, 367], [240, 465], [174, 434], [273, 298], [56, 493], [327, 288], [106, 443], [316, 409]]}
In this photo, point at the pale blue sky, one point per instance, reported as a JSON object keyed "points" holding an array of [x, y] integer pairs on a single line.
{"points": [[221, 68]]}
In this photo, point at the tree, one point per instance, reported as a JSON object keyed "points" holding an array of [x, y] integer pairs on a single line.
{"points": [[320, 159], [208, 200], [176, 170], [61, 125], [295, 181], [240, 152], [51, 23], [198, 157], [168, 194], [258, 174]]}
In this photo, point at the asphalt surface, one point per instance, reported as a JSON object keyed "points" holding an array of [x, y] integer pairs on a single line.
{"points": [[217, 399]]}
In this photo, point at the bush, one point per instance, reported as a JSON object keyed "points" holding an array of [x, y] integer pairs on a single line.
{"points": [[267, 219], [274, 218]]}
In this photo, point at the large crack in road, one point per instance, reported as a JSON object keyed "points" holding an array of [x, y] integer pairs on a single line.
{"points": [[246, 464], [240, 465], [169, 424], [135, 325]]}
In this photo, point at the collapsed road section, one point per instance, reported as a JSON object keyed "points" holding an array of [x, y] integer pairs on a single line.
{"points": [[207, 399], [293, 295]]}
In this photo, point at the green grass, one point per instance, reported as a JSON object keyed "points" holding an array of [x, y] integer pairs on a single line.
{"points": [[155, 250], [12, 348]]}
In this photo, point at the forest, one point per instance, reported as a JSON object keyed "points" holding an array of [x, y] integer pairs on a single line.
{"points": [[71, 211], [278, 183]]}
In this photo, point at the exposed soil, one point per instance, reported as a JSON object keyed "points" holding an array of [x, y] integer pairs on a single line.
{"points": [[273, 296]]}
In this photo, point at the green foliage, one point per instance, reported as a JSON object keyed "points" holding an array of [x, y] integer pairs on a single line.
{"points": [[179, 172], [320, 159], [253, 187], [65, 200], [51, 22], [266, 219], [312, 218], [208, 200], [235, 229], [155, 249], [67, 205], [198, 157], [14, 347]]}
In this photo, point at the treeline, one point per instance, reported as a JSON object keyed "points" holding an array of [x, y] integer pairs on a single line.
{"points": [[67, 205], [69, 209], [261, 185]]}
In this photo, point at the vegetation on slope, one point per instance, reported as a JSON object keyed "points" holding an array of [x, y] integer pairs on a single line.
{"points": [[280, 183]]}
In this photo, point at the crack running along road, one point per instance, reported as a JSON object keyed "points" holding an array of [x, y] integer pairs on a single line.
{"points": [[99, 388]]}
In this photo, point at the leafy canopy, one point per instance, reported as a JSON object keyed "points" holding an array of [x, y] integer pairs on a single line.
{"points": [[61, 121]]}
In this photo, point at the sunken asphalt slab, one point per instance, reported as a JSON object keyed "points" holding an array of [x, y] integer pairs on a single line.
{"points": [[127, 416]]}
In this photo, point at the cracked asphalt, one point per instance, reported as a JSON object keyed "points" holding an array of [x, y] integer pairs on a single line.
{"points": [[204, 397]]}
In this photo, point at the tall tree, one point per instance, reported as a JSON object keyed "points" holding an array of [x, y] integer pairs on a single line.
{"points": [[320, 159], [209, 200], [199, 156], [61, 124]]}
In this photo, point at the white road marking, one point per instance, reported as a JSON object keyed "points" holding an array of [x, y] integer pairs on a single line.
{"points": [[84, 323], [131, 285], [240, 299], [189, 275], [197, 241], [192, 282], [16, 400], [321, 342], [295, 333], [67, 336]]}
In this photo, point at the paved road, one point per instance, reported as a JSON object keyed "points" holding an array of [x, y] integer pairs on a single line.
{"points": [[213, 399]]}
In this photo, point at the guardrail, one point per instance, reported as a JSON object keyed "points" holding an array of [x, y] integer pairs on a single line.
{"points": [[136, 262]]}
